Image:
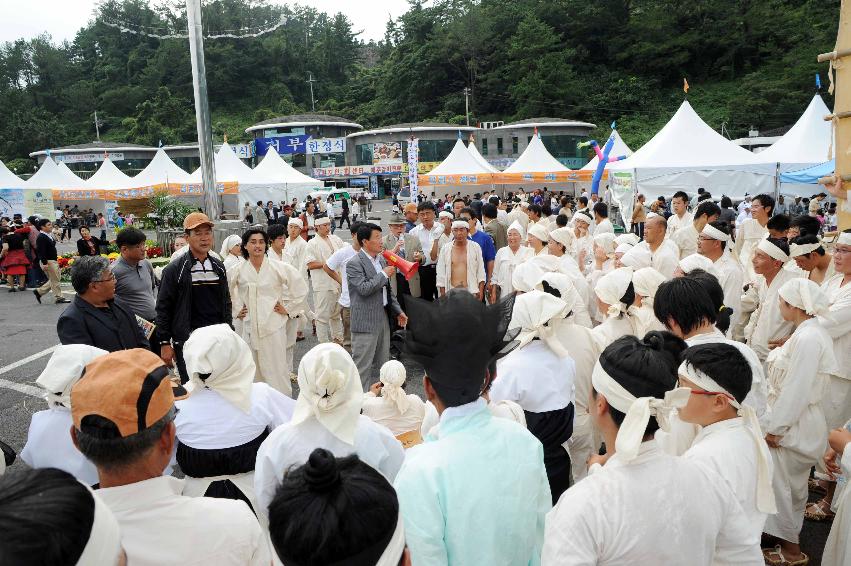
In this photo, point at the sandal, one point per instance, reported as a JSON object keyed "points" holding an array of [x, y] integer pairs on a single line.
{"points": [[775, 557], [817, 486], [819, 511]]}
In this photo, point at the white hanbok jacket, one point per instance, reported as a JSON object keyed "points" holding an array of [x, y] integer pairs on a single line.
{"points": [[748, 235], [475, 267], [766, 322], [731, 277], [295, 253], [49, 445], [657, 509], [838, 323], [504, 264]]}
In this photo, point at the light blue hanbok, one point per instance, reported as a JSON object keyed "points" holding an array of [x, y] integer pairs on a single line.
{"points": [[475, 492]]}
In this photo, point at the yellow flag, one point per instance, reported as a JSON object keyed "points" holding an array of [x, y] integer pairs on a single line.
{"points": [[685, 85]]}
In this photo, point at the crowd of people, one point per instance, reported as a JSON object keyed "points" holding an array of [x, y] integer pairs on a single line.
{"points": [[668, 395]]}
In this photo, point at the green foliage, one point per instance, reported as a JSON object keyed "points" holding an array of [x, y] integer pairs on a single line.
{"points": [[749, 63], [170, 211]]}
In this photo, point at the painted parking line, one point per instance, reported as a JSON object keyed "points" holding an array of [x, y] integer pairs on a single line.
{"points": [[23, 387]]}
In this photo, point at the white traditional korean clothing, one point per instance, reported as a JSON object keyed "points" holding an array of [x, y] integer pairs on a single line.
{"points": [[837, 400], [748, 235], [475, 267], [798, 374], [837, 549], [265, 330], [731, 277], [476, 493], [49, 445], [686, 240], [677, 222], [656, 509], [326, 291], [503, 267], [766, 323], [384, 412]]}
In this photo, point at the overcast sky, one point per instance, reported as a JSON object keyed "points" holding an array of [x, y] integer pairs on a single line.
{"points": [[62, 18]]}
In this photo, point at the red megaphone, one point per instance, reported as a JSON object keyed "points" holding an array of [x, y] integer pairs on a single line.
{"points": [[406, 268]]}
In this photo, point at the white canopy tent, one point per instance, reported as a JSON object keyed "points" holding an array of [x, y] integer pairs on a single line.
{"points": [[536, 159], [276, 180], [687, 154], [52, 176], [619, 148], [159, 171], [9, 180], [471, 147], [229, 168], [806, 144], [108, 177], [460, 162]]}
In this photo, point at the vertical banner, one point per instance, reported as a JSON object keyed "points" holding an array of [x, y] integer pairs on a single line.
{"points": [[620, 184], [109, 212], [373, 186], [12, 202], [413, 166]]}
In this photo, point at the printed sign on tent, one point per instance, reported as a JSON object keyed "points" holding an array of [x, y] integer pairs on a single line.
{"points": [[12, 202], [620, 184], [39, 202]]}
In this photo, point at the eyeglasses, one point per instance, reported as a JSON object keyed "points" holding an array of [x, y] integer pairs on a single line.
{"points": [[103, 280], [841, 251], [694, 392]]}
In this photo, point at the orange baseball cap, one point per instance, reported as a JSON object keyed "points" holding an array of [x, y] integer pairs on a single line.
{"points": [[196, 219], [130, 388]]}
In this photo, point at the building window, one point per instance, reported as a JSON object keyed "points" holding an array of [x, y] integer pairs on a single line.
{"points": [[484, 146], [363, 154], [499, 145], [435, 150], [514, 145], [564, 148]]}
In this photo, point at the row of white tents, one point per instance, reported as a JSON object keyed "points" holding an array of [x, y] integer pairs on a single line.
{"points": [[264, 182]]}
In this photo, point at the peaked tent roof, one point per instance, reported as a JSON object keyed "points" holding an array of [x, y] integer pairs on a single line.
{"points": [[807, 142], [459, 162], [536, 159], [809, 175], [52, 176], [9, 180], [618, 149], [274, 170], [159, 171], [229, 167], [686, 142], [471, 147], [108, 176]]}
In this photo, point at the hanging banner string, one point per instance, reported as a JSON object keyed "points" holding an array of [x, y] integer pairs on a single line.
{"points": [[125, 28]]}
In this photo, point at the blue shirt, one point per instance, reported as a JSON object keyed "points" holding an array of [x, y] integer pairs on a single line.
{"points": [[486, 243]]}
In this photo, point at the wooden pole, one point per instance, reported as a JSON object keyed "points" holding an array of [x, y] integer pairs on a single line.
{"points": [[841, 61]]}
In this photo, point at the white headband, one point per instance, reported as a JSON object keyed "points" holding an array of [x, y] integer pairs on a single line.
{"points": [[295, 222], [637, 410], [806, 295], [764, 492], [796, 250], [446, 214], [321, 221], [104, 544], [393, 552], [460, 224], [773, 251], [715, 233], [844, 239]]}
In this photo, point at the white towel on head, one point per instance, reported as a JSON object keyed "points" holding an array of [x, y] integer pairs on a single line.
{"points": [[612, 286], [392, 375], [220, 352]]}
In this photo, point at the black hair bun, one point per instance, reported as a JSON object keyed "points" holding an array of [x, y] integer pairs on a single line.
{"points": [[654, 340], [320, 473]]}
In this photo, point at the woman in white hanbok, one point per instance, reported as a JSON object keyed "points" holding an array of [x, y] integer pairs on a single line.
{"points": [[267, 296], [508, 258], [400, 412], [647, 281], [616, 298], [798, 373], [231, 251]]}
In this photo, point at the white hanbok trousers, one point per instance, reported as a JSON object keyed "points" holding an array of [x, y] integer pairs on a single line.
{"points": [[329, 320], [270, 353]]}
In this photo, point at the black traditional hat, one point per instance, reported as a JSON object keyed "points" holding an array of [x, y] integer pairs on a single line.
{"points": [[455, 339]]}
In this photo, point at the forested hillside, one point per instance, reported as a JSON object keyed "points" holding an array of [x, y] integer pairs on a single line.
{"points": [[749, 63]]}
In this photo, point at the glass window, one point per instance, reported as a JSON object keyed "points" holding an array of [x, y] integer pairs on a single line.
{"points": [[363, 154], [435, 150], [514, 141], [564, 148], [484, 146], [499, 145]]}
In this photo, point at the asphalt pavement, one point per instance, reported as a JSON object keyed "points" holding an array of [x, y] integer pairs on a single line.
{"points": [[29, 336]]}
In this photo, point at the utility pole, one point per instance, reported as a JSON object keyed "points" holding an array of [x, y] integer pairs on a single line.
{"points": [[310, 81], [202, 108], [97, 126], [467, 94]]}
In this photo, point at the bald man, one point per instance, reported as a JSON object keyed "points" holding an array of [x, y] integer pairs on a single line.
{"points": [[664, 253]]}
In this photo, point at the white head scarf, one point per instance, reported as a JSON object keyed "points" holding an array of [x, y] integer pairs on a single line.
{"points": [[564, 285], [539, 232], [764, 492], [563, 236], [65, 368], [329, 390], [104, 544], [805, 295], [532, 313], [219, 351], [526, 276], [580, 215], [517, 228], [611, 287], [628, 238], [772, 251], [230, 241], [392, 375], [460, 224], [637, 257], [796, 250], [695, 261], [606, 240], [295, 222], [622, 249], [646, 281], [638, 411]]}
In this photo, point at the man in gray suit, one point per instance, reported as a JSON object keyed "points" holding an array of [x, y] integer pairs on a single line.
{"points": [[411, 249], [372, 302], [497, 231]]}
